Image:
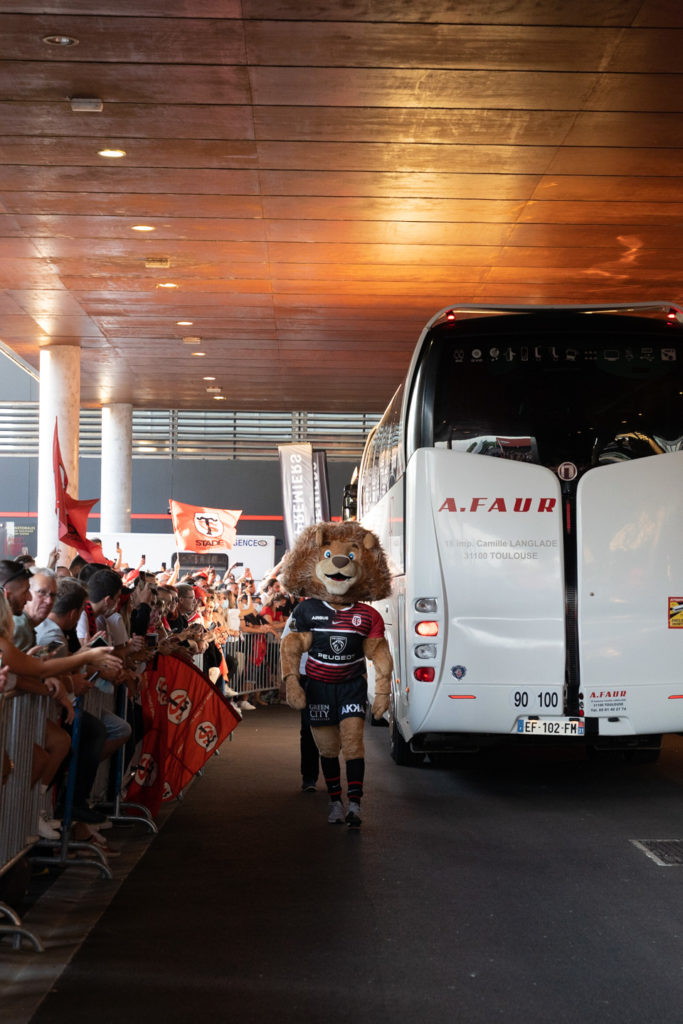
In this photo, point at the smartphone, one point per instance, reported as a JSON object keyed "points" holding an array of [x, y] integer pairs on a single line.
{"points": [[99, 642], [151, 640]]}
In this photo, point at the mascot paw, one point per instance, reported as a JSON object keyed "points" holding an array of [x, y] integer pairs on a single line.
{"points": [[296, 698], [380, 704]]}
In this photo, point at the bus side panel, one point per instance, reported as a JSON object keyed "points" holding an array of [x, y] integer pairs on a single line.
{"points": [[630, 523], [484, 536], [386, 520]]}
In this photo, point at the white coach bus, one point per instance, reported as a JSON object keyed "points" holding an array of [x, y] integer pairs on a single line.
{"points": [[526, 482]]}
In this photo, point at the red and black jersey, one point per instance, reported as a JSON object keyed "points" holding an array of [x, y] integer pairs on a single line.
{"points": [[336, 654]]}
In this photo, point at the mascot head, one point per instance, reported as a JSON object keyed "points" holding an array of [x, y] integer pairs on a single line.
{"points": [[341, 563]]}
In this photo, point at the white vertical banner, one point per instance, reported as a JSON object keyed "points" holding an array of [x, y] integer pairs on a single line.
{"points": [[321, 487], [296, 472]]}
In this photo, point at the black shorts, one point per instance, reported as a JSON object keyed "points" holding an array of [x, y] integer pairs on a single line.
{"points": [[331, 703]]}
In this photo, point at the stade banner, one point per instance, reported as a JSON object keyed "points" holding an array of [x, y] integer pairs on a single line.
{"points": [[321, 486], [298, 501], [186, 719], [72, 513], [199, 529]]}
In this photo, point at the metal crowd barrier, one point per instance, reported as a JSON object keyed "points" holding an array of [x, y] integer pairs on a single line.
{"points": [[110, 778], [22, 723], [257, 660]]}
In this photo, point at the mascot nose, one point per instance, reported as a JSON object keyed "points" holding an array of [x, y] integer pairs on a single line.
{"points": [[339, 561]]}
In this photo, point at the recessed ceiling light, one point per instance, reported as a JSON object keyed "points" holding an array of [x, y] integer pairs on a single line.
{"points": [[142, 227], [111, 154], [167, 284], [86, 104], [184, 323], [199, 353], [58, 40], [214, 390], [208, 378], [219, 398]]}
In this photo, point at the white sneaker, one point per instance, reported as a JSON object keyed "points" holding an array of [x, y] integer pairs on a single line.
{"points": [[336, 815], [46, 829], [353, 818], [229, 692], [244, 705]]}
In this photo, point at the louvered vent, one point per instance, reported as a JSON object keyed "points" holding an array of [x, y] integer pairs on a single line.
{"points": [[188, 434]]}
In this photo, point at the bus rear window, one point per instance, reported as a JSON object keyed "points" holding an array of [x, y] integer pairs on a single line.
{"points": [[543, 389]]}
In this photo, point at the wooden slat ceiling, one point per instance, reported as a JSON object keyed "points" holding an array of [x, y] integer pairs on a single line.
{"points": [[323, 177]]}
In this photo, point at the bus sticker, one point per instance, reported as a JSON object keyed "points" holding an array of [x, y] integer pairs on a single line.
{"points": [[676, 613]]}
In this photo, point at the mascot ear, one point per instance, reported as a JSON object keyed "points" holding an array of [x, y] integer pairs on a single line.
{"points": [[369, 541], [320, 536]]}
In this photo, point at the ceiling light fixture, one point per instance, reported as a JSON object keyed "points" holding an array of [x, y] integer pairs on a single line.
{"points": [[167, 284], [208, 378], [199, 353], [192, 339], [219, 398], [58, 40], [214, 390], [142, 227], [112, 154], [86, 104], [158, 262], [184, 323]]}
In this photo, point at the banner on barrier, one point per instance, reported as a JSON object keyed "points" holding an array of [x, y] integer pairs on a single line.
{"points": [[186, 719]]}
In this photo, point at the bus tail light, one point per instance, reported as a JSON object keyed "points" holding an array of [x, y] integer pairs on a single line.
{"points": [[427, 628], [424, 674]]}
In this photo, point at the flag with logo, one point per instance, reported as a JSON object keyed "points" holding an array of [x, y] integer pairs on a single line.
{"points": [[72, 513], [186, 719], [198, 528]]}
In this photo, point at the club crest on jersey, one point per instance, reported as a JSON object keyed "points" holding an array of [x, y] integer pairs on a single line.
{"points": [[357, 620], [338, 644]]}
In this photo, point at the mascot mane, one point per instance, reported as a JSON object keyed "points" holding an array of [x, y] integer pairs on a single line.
{"points": [[298, 573]]}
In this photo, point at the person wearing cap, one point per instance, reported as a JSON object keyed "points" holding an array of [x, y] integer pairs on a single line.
{"points": [[15, 581]]}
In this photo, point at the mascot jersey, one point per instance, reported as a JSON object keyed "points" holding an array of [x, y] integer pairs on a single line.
{"points": [[336, 654]]}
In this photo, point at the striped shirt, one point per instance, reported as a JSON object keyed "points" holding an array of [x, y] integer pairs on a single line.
{"points": [[336, 654]]}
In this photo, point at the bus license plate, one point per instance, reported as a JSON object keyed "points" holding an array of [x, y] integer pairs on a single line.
{"points": [[551, 726]]}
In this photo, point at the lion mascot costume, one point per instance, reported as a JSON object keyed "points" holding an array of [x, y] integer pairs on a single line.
{"points": [[337, 567]]}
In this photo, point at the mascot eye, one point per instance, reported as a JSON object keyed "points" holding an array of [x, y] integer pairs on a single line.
{"points": [[327, 554], [351, 556]]}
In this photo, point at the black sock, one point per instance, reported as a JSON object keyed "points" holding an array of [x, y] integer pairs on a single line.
{"points": [[332, 774], [355, 771]]}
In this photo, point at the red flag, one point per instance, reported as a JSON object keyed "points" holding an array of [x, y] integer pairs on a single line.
{"points": [[198, 528], [72, 513], [186, 720]]}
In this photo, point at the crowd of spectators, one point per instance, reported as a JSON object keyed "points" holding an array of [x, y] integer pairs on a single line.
{"points": [[66, 630]]}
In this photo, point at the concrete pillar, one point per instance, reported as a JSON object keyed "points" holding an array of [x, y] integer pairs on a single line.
{"points": [[60, 399], [117, 468]]}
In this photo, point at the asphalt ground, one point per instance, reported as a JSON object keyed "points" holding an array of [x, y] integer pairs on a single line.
{"points": [[507, 888]]}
